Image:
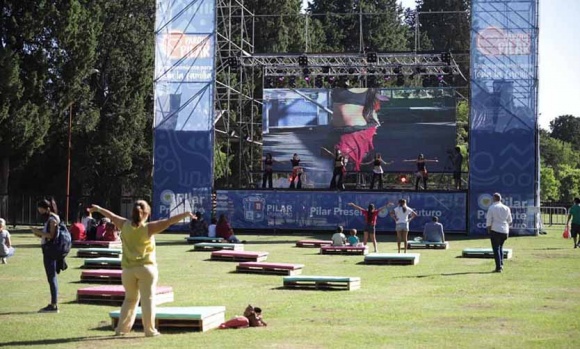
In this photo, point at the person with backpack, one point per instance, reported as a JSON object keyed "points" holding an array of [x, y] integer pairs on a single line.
{"points": [[139, 263], [52, 265]]}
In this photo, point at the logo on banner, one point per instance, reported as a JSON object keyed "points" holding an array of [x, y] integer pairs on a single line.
{"points": [[178, 45], [167, 197], [494, 41], [484, 201], [254, 208]]}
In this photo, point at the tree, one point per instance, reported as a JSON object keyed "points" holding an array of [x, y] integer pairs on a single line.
{"points": [[566, 128], [46, 48], [447, 31], [382, 28], [569, 183], [555, 152], [549, 185]]}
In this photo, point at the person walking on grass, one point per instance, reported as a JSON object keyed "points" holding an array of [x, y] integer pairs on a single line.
{"points": [[371, 214], [139, 263], [402, 215], [499, 218], [574, 215], [49, 212]]}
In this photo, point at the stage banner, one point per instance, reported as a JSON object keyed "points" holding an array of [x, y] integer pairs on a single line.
{"points": [[316, 210], [503, 149], [185, 35]]}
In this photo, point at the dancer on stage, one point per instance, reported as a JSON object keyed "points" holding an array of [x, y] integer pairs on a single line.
{"points": [[297, 171], [421, 170], [339, 169], [377, 170], [268, 170], [371, 214]]}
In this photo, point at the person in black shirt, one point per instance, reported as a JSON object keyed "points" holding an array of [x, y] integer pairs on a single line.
{"points": [[268, 170], [457, 160], [296, 172], [421, 170]]}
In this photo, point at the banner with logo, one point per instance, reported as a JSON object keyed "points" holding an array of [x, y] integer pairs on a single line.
{"points": [[274, 209], [503, 149], [183, 114]]}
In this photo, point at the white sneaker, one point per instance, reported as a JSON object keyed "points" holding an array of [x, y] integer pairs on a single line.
{"points": [[4, 261]]}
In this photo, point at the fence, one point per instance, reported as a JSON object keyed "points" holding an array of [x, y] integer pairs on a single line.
{"points": [[553, 215]]}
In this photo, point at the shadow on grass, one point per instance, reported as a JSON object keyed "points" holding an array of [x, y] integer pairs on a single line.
{"points": [[446, 274], [282, 288], [18, 313], [63, 340]]}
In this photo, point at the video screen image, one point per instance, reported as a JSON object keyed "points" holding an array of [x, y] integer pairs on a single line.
{"points": [[398, 123]]}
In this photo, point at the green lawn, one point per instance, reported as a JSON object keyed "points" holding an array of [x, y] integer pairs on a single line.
{"points": [[443, 302]]}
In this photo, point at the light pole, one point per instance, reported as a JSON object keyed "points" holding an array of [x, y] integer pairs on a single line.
{"points": [[70, 107]]}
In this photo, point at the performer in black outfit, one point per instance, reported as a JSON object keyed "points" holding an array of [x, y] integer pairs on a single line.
{"points": [[377, 170], [296, 172], [421, 170], [339, 169], [268, 170]]}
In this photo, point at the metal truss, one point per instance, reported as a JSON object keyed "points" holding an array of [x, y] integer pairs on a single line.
{"points": [[353, 64], [237, 117]]}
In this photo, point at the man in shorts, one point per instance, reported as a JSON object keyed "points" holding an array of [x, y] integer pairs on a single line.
{"points": [[574, 215]]}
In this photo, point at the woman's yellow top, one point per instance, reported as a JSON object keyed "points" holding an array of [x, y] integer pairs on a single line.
{"points": [[138, 246]]}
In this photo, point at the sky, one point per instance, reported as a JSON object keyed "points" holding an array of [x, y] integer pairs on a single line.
{"points": [[559, 61]]}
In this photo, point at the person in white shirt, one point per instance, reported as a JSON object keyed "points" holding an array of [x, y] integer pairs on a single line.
{"points": [[339, 239], [6, 249], [499, 218], [402, 215], [211, 228]]}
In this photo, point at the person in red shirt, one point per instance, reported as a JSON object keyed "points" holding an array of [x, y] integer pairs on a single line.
{"points": [[371, 214], [224, 230], [77, 232]]}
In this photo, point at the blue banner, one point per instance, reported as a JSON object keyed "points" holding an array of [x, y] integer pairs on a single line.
{"points": [[276, 209], [183, 114], [503, 122]]}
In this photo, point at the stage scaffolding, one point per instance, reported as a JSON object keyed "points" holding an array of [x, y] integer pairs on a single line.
{"points": [[239, 70]]}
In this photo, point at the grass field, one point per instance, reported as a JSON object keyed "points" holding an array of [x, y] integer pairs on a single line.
{"points": [[443, 302]]}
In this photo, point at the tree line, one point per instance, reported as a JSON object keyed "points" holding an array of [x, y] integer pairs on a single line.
{"points": [[93, 60]]}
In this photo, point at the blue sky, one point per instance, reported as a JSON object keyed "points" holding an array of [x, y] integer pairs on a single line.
{"points": [[559, 70]]}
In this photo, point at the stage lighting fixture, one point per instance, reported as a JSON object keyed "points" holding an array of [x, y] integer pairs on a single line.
{"points": [[446, 57], [233, 62], [292, 81], [303, 61], [307, 78], [318, 83], [269, 83], [351, 71], [403, 179], [446, 70], [427, 81], [326, 69], [397, 70], [306, 71], [371, 57]]}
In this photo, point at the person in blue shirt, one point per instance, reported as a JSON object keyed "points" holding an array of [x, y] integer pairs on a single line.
{"points": [[433, 231], [353, 239]]}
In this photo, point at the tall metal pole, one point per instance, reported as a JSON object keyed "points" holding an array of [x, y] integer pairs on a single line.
{"points": [[68, 161]]}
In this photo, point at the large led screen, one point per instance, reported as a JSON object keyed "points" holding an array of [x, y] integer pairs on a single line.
{"points": [[398, 123]]}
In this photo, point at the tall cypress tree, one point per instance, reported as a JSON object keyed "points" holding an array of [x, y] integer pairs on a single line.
{"points": [[447, 31]]}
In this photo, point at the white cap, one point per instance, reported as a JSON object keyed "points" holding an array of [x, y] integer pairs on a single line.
{"points": [[2, 221]]}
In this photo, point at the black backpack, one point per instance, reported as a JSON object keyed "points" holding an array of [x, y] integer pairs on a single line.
{"points": [[59, 247]]}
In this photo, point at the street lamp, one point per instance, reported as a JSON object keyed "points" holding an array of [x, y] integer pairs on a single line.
{"points": [[70, 112]]}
